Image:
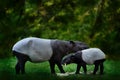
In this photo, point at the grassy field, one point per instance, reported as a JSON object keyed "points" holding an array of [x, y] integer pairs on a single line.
{"points": [[41, 71]]}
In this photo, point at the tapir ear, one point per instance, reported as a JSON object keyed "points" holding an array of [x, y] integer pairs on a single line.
{"points": [[72, 42]]}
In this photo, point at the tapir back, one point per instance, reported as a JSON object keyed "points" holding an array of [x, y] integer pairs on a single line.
{"points": [[92, 54], [37, 49]]}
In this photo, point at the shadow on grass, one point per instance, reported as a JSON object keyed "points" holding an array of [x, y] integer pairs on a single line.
{"points": [[47, 76]]}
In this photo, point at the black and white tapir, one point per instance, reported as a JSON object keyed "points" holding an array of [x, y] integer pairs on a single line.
{"points": [[88, 56], [38, 50]]}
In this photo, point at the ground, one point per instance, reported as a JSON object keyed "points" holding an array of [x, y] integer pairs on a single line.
{"points": [[42, 71]]}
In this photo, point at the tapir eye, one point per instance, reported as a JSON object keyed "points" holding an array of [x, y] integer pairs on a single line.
{"points": [[72, 57]]}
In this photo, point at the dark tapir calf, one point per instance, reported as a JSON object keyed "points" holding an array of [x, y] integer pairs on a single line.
{"points": [[88, 56], [38, 50]]}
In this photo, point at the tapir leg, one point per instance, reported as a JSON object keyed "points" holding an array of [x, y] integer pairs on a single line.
{"points": [[52, 66], [17, 68], [78, 69], [60, 68], [97, 64], [20, 66], [84, 68], [96, 67], [102, 66]]}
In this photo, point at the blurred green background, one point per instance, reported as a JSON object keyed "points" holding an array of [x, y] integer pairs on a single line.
{"points": [[96, 22]]}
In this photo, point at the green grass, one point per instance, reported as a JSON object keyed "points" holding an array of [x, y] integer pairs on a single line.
{"points": [[41, 71]]}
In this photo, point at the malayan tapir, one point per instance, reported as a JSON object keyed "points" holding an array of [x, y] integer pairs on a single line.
{"points": [[38, 50], [88, 56]]}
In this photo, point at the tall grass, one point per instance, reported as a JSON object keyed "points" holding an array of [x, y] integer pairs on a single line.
{"points": [[41, 71]]}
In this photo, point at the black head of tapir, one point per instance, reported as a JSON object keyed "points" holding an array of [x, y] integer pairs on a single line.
{"points": [[38, 50], [88, 56]]}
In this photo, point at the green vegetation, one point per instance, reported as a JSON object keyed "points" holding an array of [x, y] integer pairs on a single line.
{"points": [[41, 71], [95, 22]]}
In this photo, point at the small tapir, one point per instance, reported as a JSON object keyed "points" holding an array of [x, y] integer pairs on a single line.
{"points": [[88, 56], [38, 50]]}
